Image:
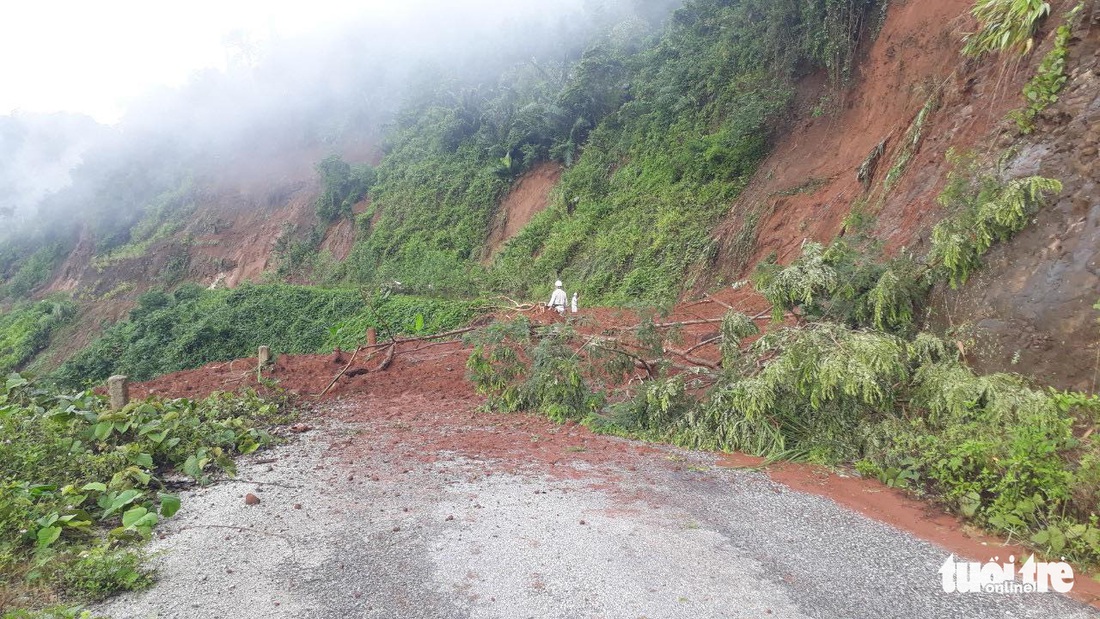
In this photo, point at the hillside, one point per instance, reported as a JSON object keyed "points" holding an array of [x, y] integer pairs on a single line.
{"points": [[861, 234], [631, 177]]}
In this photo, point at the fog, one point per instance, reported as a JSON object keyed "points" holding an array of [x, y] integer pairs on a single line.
{"points": [[282, 98]]}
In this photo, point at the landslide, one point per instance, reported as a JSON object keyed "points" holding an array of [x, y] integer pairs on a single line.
{"points": [[918, 97]]}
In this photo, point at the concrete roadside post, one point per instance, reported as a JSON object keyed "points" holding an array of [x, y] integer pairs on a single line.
{"points": [[372, 336], [263, 357], [118, 388]]}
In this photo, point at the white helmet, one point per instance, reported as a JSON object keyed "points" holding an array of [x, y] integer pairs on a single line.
{"points": [[557, 284]]}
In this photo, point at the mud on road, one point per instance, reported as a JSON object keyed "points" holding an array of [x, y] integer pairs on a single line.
{"points": [[410, 505]]}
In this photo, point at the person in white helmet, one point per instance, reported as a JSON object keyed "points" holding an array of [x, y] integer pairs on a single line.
{"points": [[558, 299]]}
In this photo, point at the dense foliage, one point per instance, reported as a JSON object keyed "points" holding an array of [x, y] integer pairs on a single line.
{"points": [[1042, 90], [79, 484], [657, 133], [193, 326], [342, 186], [25, 330]]}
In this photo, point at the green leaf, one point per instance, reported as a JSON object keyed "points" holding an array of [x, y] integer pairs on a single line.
{"points": [[969, 503], [103, 430], [119, 501], [133, 515], [169, 505], [143, 459], [48, 535], [1057, 539]]}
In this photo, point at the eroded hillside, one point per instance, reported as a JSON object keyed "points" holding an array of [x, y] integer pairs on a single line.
{"points": [[657, 164], [915, 101]]}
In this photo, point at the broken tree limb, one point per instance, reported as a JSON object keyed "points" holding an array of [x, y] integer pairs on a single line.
{"points": [[722, 303], [389, 357], [337, 377], [638, 361], [423, 338], [712, 340], [695, 360]]}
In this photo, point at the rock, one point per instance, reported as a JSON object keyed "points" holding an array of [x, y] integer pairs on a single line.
{"points": [[298, 428], [251, 499], [297, 506]]}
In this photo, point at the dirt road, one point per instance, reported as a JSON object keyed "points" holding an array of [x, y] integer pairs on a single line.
{"points": [[409, 505]]}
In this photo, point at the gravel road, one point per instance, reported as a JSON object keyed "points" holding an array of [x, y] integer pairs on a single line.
{"points": [[373, 534]]}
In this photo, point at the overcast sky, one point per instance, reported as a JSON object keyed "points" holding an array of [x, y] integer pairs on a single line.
{"points": [[94, 57]]}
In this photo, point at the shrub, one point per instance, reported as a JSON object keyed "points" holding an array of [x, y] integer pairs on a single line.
{"points": [[80, 484], [1005, 25], [984, 209], [25, 330], [1042, 90]]}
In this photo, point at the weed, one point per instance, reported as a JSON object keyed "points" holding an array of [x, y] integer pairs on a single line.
{"points": [[1042, 90]]}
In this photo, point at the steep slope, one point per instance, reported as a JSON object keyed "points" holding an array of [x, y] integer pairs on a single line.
{"points": [[919, 98], [529, 196]]}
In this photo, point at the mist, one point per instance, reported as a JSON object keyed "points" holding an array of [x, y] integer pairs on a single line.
{"points": [[283, 103]]}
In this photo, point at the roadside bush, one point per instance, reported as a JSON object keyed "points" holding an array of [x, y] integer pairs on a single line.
{"points": [[194, 326], [81, 484]]}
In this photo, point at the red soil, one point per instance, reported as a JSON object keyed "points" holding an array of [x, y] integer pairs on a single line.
{"points": [[423, 408], [528, 197], [808, 185]]}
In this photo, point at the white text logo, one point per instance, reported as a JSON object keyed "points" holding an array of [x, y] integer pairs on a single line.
{"points": [[993, 577]]}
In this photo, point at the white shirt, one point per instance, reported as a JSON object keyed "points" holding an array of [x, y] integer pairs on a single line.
{"points": [[558, 299]]}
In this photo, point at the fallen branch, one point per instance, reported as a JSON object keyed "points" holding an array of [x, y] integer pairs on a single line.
{"points": [[646, 365], [716, 338], [389, 358], [424, 338], [722, 303], [695, 360], [686, 323], [337, 377]]}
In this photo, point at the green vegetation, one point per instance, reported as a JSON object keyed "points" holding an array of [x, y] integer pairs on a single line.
{"points": [[844, 375], [160, 219], [1005, 25], [657, 137], [32, 271], [25, 330], [983, 209], [343, 185], [1042, 91], [193, 326], [81, 485]]}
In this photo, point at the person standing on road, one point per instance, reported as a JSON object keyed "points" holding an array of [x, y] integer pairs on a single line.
{"points": [[558, 299]]}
